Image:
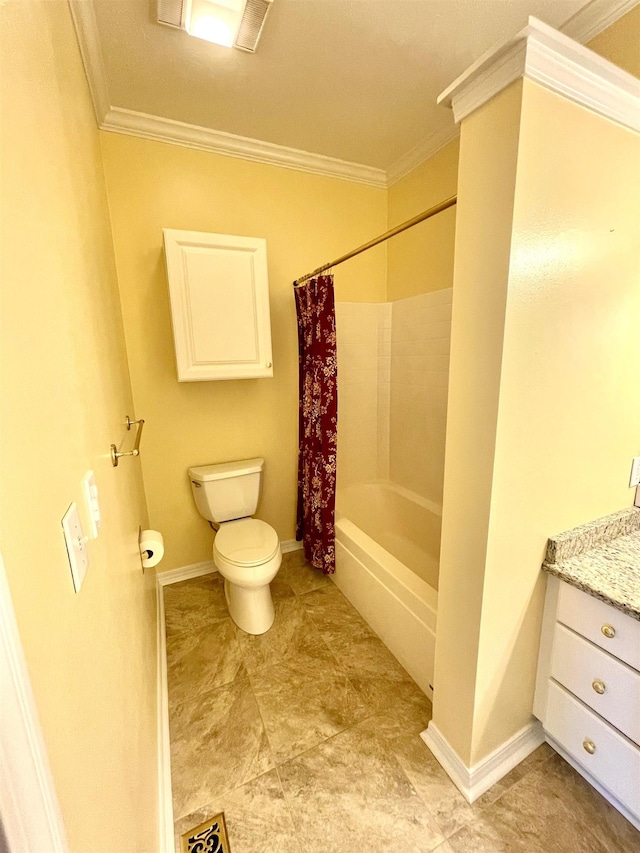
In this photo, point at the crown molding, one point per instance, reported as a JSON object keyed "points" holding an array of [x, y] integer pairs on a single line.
{"points": [[420, 152], [203, 138], [552, 59], [121, 120], [84, 21], [584, 25], [587, 23], [595, 17]]}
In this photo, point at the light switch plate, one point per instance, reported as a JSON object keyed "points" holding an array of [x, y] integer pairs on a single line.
{"points": [[634, 480], [76, 543], [90, 489]]}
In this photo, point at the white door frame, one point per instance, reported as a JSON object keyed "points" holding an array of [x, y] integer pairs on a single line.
{"points": [[29, 810]]}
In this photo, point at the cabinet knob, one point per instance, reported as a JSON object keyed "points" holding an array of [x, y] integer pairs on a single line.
{"points": [[609, 631], [599, 686], [269, 364], [589, 746]]}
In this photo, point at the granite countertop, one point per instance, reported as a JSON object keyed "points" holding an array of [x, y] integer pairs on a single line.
{"points": [[601, 558]]}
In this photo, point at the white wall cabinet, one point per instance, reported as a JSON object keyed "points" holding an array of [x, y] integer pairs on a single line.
{"points": [[219, 293]]}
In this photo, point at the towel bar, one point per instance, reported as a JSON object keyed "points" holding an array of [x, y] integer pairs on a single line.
{"points": [[116, 454]]}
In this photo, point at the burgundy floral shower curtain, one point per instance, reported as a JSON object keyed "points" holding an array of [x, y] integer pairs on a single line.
{"points": [[318, 418]]}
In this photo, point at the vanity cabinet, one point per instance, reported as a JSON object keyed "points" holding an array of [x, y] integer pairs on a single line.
{"points": [[219, 294], [588, 691]]}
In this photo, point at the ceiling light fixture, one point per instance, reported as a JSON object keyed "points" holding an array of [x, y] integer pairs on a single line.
{"points": [[230, 23]]}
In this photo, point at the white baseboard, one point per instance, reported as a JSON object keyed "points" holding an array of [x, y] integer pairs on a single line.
{"points": [[290, 545], [472, 782], [195, 570], [165, 794]]}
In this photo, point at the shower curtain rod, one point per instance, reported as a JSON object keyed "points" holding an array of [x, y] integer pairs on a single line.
{"points": [[426, 214]]}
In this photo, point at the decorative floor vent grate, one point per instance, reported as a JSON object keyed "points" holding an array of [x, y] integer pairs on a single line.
{"points": [[209, 837]]}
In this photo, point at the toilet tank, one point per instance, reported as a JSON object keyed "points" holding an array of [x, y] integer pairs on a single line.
{"points": [[228, 490]]}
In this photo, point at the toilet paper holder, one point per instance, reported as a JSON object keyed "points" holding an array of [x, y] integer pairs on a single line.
{"points": [[116, 454], [150, 547]]}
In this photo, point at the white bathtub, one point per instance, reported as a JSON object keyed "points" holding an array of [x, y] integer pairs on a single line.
{"points": [[387, 556]]}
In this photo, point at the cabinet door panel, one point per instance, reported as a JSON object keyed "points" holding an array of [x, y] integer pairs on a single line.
{"points": [[219, 305], [579, 665], [612, 759], [607, 627]]}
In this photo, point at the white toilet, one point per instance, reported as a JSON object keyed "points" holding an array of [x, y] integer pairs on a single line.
{"points": [[246, 551]]}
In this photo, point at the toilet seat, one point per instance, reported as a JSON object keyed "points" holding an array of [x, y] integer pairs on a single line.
{"points": [[246, 542]]}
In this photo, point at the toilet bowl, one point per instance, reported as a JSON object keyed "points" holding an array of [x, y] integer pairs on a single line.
{"points": [[247, 554], [246, 551]]}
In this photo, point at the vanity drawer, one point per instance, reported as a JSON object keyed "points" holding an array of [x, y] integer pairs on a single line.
{"points": [[589, 616], [615, 761], [604, 683]]}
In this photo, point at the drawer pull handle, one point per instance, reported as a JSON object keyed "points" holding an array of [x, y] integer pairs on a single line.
{"points": [[609, 631], [599, 686], [589, 746]]}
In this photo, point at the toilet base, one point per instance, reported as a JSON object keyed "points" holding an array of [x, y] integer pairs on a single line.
{"points": [[251, 609]]}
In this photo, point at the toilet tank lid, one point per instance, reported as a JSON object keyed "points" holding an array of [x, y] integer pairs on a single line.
{"points": [[203, 473]]}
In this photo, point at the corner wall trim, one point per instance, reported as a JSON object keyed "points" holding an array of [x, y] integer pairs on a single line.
{"points": [[84, 21], [31, 815], [472, 782]]}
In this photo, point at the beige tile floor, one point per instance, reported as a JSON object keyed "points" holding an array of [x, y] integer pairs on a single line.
{"points": [[307, 738]]}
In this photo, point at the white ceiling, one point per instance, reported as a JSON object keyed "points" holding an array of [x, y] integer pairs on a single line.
{"points": [[350, 79]]}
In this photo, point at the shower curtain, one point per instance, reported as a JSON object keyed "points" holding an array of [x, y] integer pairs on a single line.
{"points": [[318, 421]]}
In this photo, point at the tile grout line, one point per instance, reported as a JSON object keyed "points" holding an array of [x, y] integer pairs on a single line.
{"points": [[277, 765], [289, 810], [236, 679]]}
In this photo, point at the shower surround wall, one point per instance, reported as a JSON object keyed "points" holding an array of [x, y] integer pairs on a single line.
{"points": [[393, 371], [364, 362], [420, 342]]}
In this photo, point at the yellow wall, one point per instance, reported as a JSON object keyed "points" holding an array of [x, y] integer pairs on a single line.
{"points": [[570, 384], [64, 395], [421, 259], [306, 220], [544, 405], [620, 43]]}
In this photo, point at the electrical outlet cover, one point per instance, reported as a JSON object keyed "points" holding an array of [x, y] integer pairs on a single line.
{"points": [[76, 543], [634, 480]]}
